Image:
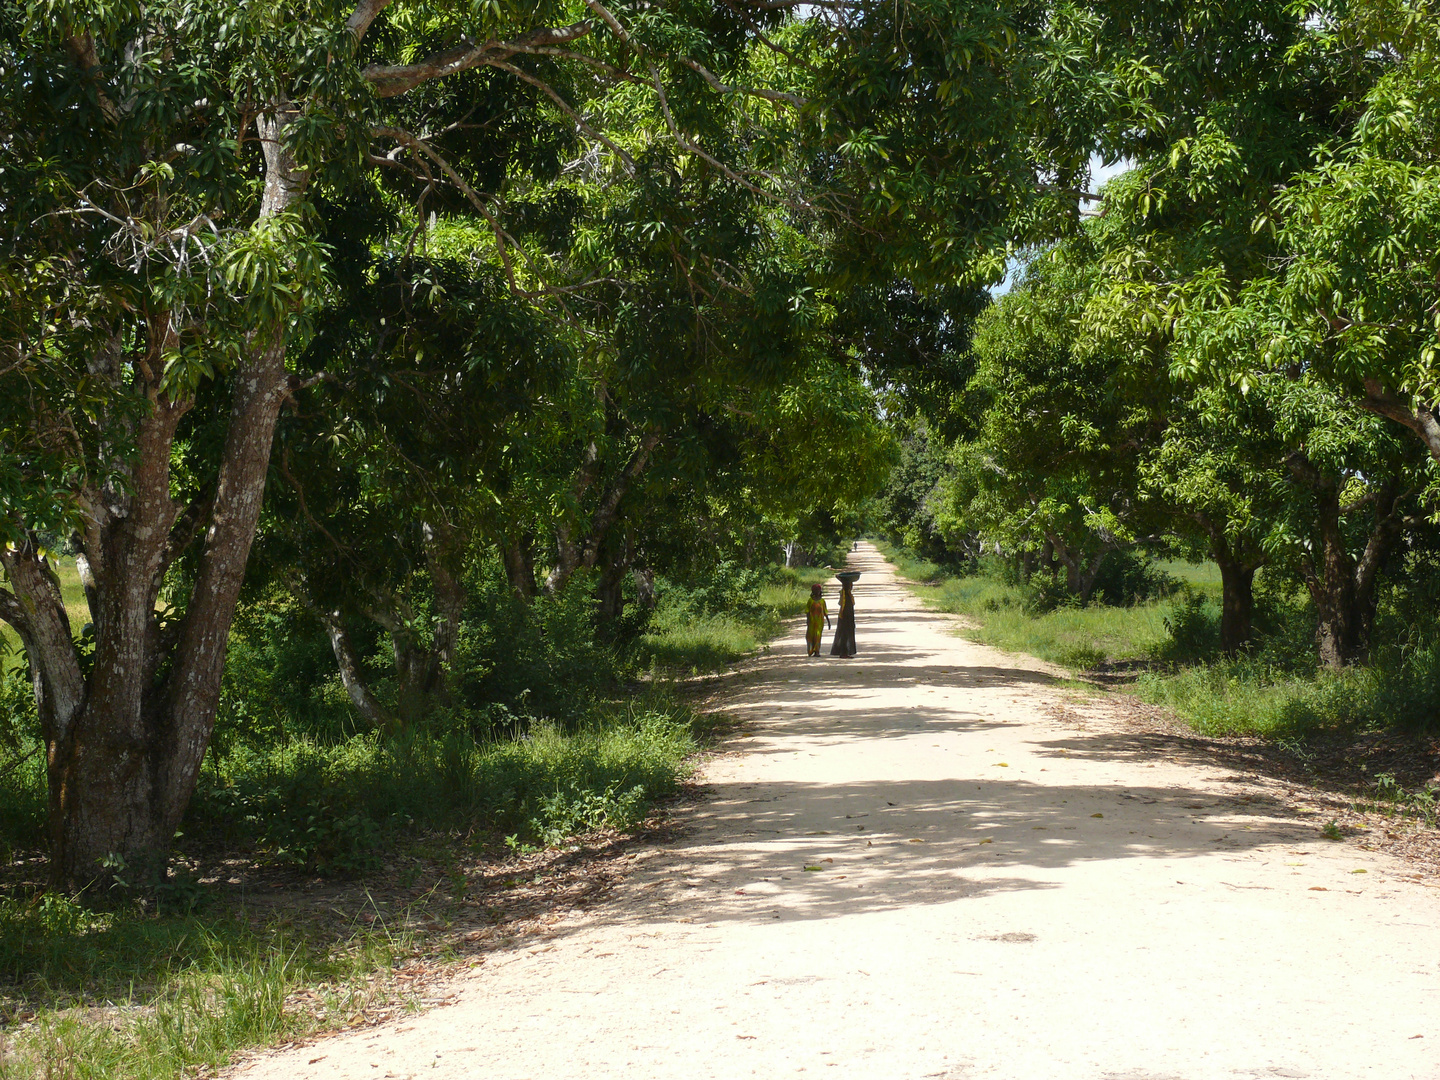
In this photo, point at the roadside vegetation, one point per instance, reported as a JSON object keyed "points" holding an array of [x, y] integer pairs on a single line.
{"points": [[554, 732], [421, 414], [1160, 636]]}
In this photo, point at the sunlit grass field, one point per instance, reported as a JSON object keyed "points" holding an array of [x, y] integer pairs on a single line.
{"points": [[1171, 644], [1073, 637]]}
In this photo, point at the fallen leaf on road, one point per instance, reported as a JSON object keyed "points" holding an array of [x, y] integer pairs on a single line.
{"points": [[914, 841], [989, 840], [1318, 888], [1097, 815], [814, 868], [1359, 871]]}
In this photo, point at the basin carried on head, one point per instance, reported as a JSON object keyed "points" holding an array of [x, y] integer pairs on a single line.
{"points": [[849, 577]]}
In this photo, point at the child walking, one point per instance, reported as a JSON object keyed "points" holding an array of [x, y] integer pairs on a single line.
{"points": [[816, 614]]}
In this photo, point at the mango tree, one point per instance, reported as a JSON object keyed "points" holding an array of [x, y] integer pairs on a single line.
{"points": [[163, 165]]}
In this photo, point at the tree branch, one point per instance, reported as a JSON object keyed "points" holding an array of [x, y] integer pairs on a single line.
{"points": [[1418, 418], [568, 110], [724, 88], [364, 14], [392, 80]]}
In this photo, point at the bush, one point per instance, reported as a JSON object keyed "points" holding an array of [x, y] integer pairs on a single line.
{"points": [[331, 808], [1194, 628], [1131, 577]]}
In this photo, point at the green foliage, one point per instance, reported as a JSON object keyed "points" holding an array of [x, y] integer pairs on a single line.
{"points": [[333, 807], [177, 993], [1275, 691]]}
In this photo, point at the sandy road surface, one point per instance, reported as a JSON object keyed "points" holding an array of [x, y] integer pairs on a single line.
{"points": [[998, 894]]}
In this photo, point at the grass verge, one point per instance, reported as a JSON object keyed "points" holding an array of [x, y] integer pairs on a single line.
{"points": [[998, 614], [104, 995], [199, 974], [682, 640], [180, 985], [1170, 646]]}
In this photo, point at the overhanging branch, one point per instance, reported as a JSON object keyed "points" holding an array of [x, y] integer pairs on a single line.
{"points": [[392, 80]]}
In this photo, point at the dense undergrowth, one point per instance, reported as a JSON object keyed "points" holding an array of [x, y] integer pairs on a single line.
{"points": [[556, 726], [1162, 620]]}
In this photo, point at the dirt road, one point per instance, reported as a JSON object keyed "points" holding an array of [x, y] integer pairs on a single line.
{"points": [[908, 868]]}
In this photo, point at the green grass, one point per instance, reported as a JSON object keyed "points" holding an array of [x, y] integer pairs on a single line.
{"points": [[177, 992], [76, 607], [1073, 637], [162, 994], [682, 641], [159, 997], [1203, 578], [1249, 697], [1274, 693]]}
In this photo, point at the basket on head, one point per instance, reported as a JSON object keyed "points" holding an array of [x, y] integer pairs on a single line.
{"points": [[849, 577]]}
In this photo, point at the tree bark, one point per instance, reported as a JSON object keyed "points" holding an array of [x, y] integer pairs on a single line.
{"points": [[571, 552], [1342, 586], [124, 762], [519, 559], [352, 676], [443, 550], [1418, 417], [1080, 575], [1237, 605]]}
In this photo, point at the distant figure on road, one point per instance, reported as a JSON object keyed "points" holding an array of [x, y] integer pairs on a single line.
{"points": [[844, 643], [817, 617]]}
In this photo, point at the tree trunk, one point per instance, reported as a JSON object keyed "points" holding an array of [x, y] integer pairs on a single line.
{"points": [[124, 748], [351, 674], [572, 552], [644, 588], [1079, 575], [610, 589], [1237, 605], [444, 553], [1342, 586], [519, 558]]}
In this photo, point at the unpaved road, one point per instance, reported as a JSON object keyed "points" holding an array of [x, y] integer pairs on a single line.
{"points": [[998, 894]]}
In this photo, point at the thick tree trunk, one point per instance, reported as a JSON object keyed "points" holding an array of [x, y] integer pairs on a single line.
{"points": [[519, 559], [1237, 605], [610, 589], [1342, 586], [123, 765]]}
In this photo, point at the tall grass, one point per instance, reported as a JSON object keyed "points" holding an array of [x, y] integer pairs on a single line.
{"points": [[1002, 614], [547, 737], [159, 998], [1274, 692], [1250, 697], [690, 635]]}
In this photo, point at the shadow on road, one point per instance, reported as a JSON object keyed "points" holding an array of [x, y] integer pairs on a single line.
{"points": [[875, 846]]}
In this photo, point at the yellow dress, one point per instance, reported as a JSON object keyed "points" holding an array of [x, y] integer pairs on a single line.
{"points": [[815, 624]]}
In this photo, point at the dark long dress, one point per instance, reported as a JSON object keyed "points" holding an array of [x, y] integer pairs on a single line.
{"points": [[844, 642]]}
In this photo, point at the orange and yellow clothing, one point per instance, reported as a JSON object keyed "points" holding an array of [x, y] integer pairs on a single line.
{"points": [[816, 615]]}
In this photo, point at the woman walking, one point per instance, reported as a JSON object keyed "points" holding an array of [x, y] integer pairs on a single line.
{"points": [[817, 617], [844, 643]]}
